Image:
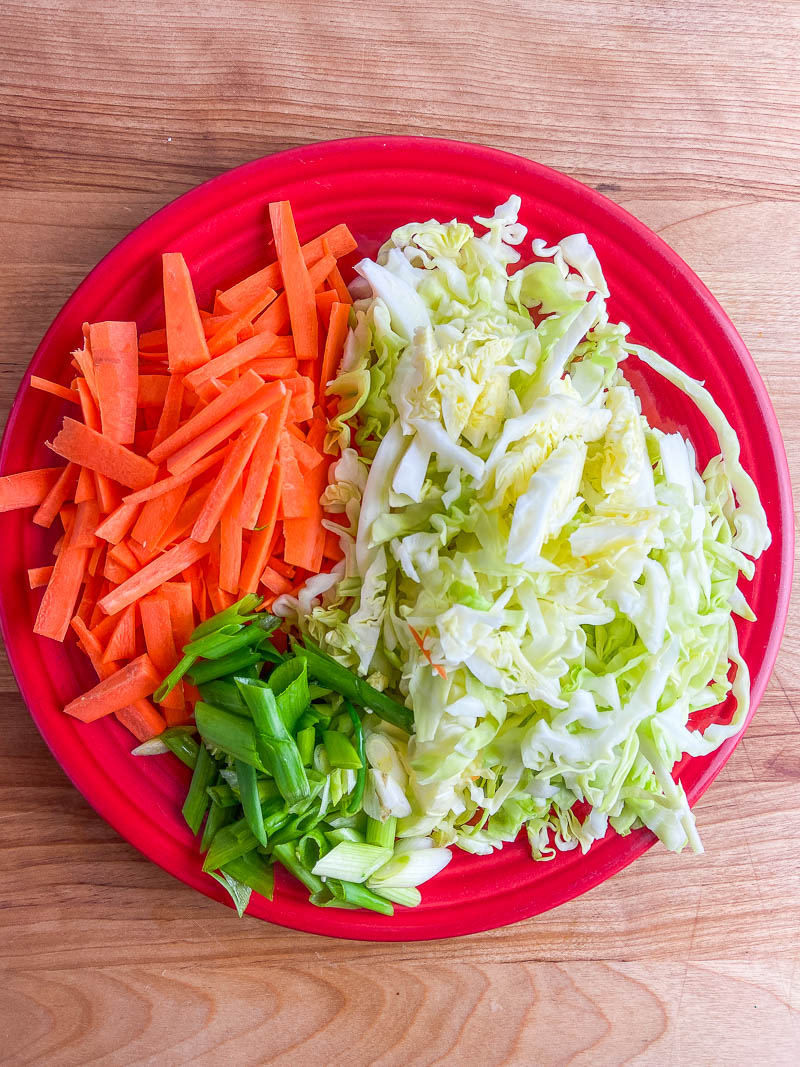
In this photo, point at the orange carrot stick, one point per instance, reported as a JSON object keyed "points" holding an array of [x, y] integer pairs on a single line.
{"points": [[230, 535], [134, 681], [295, 500], [187, 516], [261, 542], [271, 368], [296, 282], [153, 341], [114, 527], [87, 518], [86, 488], [157, 516], [228, 477], [79, 444], [305, 535], [46, 386], [275, 318], [226, 337], [181, 610], [222, 430], [186, 341], [218, 367], [301, 408], [39, 576], [261, 464], [58, 604], [325, 302], [122, 642], [122, 554], [233, 396], [171, 412], [170, 482], [63, 489], [275, 582], [142, 719], [335, 278], [334, 346], [27, 489], [340, 241], [115, 356], [152, 390], [160, 641], [151, 577]]}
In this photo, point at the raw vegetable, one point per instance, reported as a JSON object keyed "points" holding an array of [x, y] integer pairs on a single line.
{"points": [[543, 575]]}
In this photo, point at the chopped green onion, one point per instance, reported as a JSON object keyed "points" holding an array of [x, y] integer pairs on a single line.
{"points": [[238, 892], [251, 804], [183, 665], [305, 744], [219, 668], [289, 683], [230, 733], [316, 692], [180, 742], [277, 748], [352, 861], [340, 752], [357, 797], [245, 606], [154, 747], [218, 816], [274, 823], [409, 898], [344, 681], [287, 857], [382, 833], [344, 833], [228, 844], [311, 847], [197, 799], [222, 795], [254, 871], [360, 896], [223, 642]]}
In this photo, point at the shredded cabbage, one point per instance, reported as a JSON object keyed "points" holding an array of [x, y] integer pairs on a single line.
{"points": [[545, 577]]}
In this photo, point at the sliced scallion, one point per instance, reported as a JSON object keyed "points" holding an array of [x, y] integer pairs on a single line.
{"points": [[277, 748], [382, 833], [340, 751], [197, 799], [287, 857], [251, 804], [352, 861], [233, 734], [210, 669]]}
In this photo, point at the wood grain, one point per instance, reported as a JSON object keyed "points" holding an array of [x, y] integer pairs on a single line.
{"points": [[688, 114]]}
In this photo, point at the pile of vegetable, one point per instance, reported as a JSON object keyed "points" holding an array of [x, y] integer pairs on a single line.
{"points": [[195, 465], [281, 770], [544, 576]]}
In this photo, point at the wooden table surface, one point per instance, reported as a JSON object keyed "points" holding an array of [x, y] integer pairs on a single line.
{"points": [[686, 113]]}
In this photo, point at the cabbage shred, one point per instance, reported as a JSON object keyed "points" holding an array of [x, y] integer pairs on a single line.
{"points": [[545, 578]]}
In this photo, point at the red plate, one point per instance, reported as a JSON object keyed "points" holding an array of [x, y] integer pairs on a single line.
{"points": [[374, 185]]}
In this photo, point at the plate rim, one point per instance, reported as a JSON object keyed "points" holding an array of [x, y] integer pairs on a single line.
{"points": [[635, 844]]}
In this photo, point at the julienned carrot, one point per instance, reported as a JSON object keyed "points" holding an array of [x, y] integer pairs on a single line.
{"points": [[170, 418], [181, 610], [187, 516], [226, 337], [334, 346], [272, 368], [306, 456], [134, 681], [222, 430], [122, 642], [276, 583], [339, 240], [86, 489], [115, 571], [296, 282], [76, 442], [114, 527], [87, 519], [169, 482], [275, 318], [153, 390], [46, 386], [254, 348], [260, 546], [58, 604], [151, 577], [106, 494], [197, 424], [63, 489], [228, 477], [93, 567], [160, 641], [261, 464], [335, 278], [83, 359], [91, 591], [301, 408], [157, 516], [294, 496], [186, 341], [199, 594], [140, 717], [305, 536], [39, 576], [27, 489], [230, 536], [122, 554], [115, 357], [325, 302], [153, 341]]}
